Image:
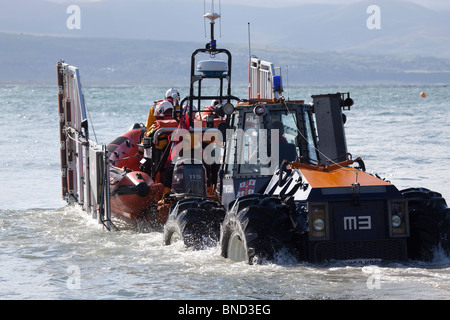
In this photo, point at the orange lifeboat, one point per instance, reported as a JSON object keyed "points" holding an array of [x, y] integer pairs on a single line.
{"points": [[132, 191], [124, 149]]}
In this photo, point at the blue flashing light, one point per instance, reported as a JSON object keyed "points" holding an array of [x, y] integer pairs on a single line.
{"points": [[277, 84]]}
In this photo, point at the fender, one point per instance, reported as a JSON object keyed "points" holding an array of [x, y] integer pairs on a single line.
{"points": [[124, 149]]}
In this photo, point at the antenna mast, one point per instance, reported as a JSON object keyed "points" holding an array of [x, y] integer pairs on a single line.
{"points": [[210, 69], [212, 16]]}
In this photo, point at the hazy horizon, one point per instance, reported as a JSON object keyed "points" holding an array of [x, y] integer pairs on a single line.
{"points": [[353, 40]]}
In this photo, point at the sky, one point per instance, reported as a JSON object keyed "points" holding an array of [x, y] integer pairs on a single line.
{"points": [[431, 4]]}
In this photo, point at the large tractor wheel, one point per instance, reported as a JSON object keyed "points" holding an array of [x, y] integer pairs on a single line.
{"points": [[196, 222], [429, 219], [255, 229]]}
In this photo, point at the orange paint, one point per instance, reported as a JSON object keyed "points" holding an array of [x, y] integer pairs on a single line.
{"points": [[343, 177]]}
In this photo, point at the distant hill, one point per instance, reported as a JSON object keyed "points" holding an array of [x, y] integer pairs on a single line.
{"points": [[31, 58], [406, 28]]}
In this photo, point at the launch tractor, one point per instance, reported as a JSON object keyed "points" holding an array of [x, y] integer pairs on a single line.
{"points": [[285, 180]]}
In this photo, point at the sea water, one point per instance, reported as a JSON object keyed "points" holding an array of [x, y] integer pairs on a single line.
{"points": [[49, 250]]}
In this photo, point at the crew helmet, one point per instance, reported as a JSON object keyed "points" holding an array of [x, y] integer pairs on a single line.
{"points": [[215, 102], [173, 94], [162, 107]]}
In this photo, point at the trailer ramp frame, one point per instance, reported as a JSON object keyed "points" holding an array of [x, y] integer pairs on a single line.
{"points": [[84, 164]]}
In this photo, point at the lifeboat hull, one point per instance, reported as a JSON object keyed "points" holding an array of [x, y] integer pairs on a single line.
{"points": [[132, 192], [124, 149]]}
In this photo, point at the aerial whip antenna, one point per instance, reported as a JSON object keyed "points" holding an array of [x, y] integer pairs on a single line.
{"points": [[249, 47], [287, 76], [204, 13], [249, 63], [220, 21], [212, 16]]}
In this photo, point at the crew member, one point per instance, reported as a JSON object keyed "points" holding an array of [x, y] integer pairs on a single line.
{"points": [[173, 96], [208, 110]]}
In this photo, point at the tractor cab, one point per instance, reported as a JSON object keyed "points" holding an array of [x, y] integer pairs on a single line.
{"points": [[261, 135], [266, 130]]}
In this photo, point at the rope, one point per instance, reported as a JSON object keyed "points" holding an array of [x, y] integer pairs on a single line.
{"points": [[90, 121], [320, 152]]}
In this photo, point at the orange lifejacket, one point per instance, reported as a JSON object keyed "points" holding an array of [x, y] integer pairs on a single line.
{"points": [[163, 139]]}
